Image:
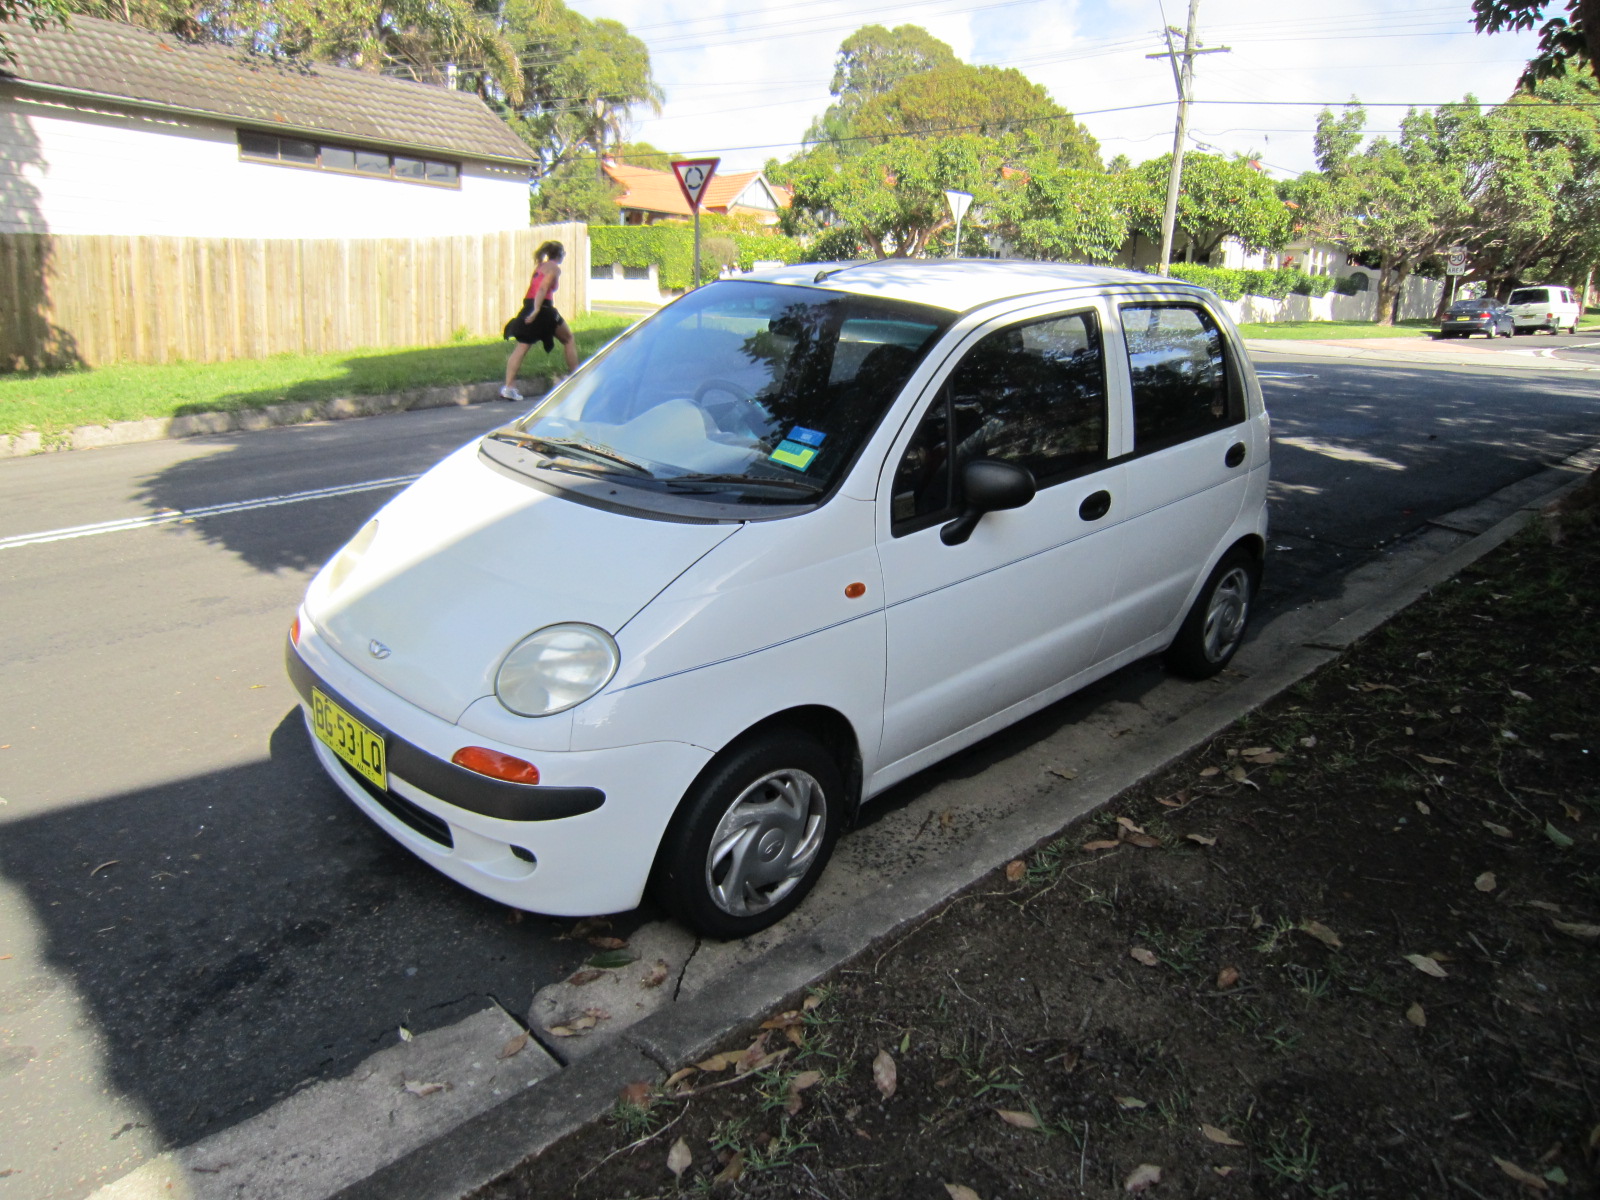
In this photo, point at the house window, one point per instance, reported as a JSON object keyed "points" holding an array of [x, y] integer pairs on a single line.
{"points": [[377, 164], [636, 272], [602, 270]]}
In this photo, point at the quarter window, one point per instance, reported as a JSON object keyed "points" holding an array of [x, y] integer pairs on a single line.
{"points": [[1033, 395], [1183, 384]]}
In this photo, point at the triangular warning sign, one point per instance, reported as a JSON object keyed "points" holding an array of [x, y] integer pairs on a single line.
{"points": [[694, 175]]}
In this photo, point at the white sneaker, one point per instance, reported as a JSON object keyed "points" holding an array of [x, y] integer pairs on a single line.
{"points": [[510, 393]]}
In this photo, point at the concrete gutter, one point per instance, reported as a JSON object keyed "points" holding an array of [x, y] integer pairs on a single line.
{"points": [[1284, 652]]}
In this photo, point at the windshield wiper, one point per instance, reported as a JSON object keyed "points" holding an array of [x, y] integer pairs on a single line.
{"points": [[792, 485], [569, 447]]}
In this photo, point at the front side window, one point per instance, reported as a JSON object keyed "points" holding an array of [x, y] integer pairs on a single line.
{"points": [[1033, 395], [740, 393], [1183, 383]]}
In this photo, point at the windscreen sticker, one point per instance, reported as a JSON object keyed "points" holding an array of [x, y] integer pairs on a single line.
{"points": [[793, 454], [806, 437]]}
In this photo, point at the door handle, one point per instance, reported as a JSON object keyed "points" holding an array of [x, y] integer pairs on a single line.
{"points": [[1235, 455], [1095, 505]]}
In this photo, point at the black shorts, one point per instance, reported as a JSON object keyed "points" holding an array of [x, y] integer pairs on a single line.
{"points": [[541, 329]]}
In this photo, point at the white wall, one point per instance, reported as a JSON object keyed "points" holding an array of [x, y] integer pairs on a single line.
{"points": [[1420, 299], [67, 170]]}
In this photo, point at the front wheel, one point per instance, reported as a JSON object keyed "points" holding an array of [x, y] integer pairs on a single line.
{"points": [[1214, 629], [752, 836]]}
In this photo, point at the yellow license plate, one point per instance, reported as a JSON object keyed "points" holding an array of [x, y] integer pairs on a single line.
{"points": [[349, 739]]}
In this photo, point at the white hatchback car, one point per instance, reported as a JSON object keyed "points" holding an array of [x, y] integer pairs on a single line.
{"points": [[780, 546], [1546, 306]]}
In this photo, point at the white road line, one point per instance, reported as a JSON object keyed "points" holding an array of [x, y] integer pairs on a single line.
{"points": [[172, 515], [1284, 375]]}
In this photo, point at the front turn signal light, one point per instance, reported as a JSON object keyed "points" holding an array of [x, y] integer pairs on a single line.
{"points": [[495, 765]]}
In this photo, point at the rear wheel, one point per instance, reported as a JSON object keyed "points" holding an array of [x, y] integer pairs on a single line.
{"points": [[1214, 629], [752, 836]]}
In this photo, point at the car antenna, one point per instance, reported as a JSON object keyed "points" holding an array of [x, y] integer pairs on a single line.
{"points": [[828, 273]]}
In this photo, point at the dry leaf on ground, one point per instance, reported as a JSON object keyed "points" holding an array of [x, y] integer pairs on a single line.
{"points": [[1485, 882], [1015, 870], [1148, 957], [1226, 978], [679, 1158], [636, 1094], [656, 975], [1587, 932], [579, 978], [1208, 772], [720, 1061], [884, 1074], [678, 1077], [514, 1047], [1417, 1016], [797, 1085], [405, 1034], [1102, 844], [608, 943], [1220, 1137], [417, 1088], [1129, 1102], [588, 927], [1497, 830], [1064, 772], [1427, 966], [1525, 1178], [732, 1170], [1322, 933], [1145, 1175], [960, 1191], [1021, 1120], [1438, 762], [1203, 839]]}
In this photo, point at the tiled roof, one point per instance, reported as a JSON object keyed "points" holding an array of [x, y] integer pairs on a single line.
{"points": [[130, 65], [658, 191]]}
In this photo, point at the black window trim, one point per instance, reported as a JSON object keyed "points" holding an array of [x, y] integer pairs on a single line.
{"points": [[899, 529], [245, 156], [1238, 400]]}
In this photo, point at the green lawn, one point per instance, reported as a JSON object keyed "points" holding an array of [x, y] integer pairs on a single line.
{"points": [[1328, 330], [55, 402]]}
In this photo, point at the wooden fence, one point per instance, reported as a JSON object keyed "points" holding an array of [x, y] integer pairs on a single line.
{"points": [[101, 299]]}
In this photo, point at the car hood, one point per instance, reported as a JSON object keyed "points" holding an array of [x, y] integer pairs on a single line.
{"points": [[467, 562]]}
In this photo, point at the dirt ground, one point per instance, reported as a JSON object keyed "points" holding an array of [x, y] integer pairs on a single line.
{"points": [[1349, 948]]}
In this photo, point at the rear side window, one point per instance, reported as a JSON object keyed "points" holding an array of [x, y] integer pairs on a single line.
{"points": [[1184, 384], [1033, 395]]}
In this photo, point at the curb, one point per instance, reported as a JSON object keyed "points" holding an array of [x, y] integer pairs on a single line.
{"points": [[479, 1151], [1434, 353], [271, 416]]}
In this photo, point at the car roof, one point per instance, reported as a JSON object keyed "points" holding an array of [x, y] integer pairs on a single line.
{"points": [[960, 284]]}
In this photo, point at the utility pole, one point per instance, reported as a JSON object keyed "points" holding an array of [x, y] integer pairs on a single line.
{"points": [[1183, 77]]}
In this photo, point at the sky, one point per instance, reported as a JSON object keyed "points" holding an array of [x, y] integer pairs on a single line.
{"points": [[744, 80]]}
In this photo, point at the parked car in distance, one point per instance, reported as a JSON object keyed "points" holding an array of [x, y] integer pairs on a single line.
{"points": [[1467, 317], [1545, 306], [787, 542]]}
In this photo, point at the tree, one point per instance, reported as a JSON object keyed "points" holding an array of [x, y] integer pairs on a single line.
{"points": [[1061, 214], [577, 190], [1561, 39], [1002, 104], [1399, 202], [870, 62], [1218, 198], [890, 197]]}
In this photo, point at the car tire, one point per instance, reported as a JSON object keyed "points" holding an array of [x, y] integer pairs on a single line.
{"points": [[1214, 629], [751, 836]]}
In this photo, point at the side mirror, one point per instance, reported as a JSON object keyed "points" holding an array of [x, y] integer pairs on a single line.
{"points": [[989, 485]]}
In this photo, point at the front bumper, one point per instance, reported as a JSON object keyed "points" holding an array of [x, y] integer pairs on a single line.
{"points": [[579, 843]]}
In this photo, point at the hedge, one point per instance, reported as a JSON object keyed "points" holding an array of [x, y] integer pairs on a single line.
{"points": [[1231, 284], [671, 248]]}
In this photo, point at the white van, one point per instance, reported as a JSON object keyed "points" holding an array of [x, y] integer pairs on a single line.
{"points": [[1546, 306], [789, 541]]}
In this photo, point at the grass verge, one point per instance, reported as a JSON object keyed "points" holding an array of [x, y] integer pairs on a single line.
{"points": [[56, 402], [1325, 330]]}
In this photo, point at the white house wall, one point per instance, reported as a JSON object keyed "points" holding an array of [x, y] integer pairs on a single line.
{"points": [[65, 169]]}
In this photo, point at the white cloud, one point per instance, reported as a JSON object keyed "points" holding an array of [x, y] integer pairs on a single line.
{"points": [[745, 80]]}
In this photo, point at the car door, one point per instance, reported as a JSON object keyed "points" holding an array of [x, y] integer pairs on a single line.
{"points": [[980, 630], [1190, 461]]}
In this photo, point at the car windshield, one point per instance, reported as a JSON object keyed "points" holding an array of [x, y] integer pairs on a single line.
{"points": [[740, 392], [1530, 296]]}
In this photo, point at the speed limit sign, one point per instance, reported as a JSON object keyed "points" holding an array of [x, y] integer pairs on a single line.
{"points": [[1456, 261]]}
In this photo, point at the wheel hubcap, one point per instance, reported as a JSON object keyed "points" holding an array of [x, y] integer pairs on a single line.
{"points": [[766, 842], [1225, 616]]}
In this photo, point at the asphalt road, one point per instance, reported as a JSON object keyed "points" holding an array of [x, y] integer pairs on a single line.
{"points": [[194, 924]]}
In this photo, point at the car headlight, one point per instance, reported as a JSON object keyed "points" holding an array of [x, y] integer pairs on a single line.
{"points": [[555, 668]]}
